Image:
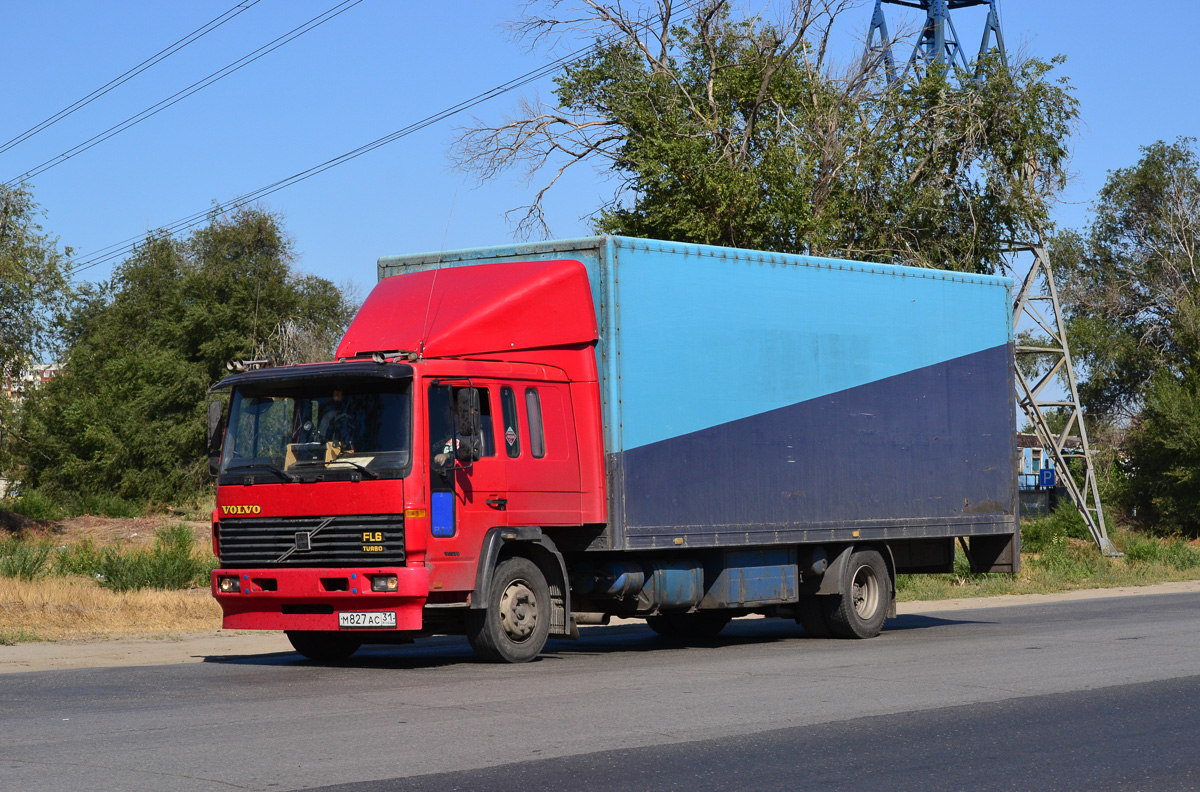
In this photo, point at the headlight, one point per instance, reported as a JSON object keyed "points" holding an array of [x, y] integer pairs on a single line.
{"points": [[228, 585], [384, 583]]}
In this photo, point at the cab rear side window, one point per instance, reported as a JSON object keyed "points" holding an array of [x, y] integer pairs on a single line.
{"points": [[508, 408], [533, 413]]}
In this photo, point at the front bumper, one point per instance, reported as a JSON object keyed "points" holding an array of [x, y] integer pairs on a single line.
{"points": [[310, 599]]}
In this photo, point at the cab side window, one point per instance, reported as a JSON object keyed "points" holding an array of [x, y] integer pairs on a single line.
{"points": [[485, 421], [508, 408], [533, 414]]}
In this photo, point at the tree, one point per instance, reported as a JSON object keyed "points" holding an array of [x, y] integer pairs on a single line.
{"points": [[741, 131], [33, 282], [126, 416], [1129, 280], [1130, 287], [1164, 456]]}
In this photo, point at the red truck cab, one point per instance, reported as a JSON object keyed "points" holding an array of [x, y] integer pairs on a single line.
{"points": [[370, 498]]}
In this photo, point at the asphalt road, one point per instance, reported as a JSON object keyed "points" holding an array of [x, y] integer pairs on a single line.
{"points": [[1094, 694]]}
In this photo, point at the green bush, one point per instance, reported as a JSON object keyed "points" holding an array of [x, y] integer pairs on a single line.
{"points": [[36, 505], [1181, 555], [1141, 549], [1047, 533], [171, 564], [79, 559], [23, 560], [45, 504], [14, 637], [106, 505]]}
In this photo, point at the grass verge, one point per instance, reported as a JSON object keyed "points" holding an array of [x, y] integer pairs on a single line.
{"points": [[55, 587], [57, 608], [1058, 554]]}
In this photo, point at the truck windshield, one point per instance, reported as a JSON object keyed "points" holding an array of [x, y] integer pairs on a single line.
{"points": [[337, 430]]}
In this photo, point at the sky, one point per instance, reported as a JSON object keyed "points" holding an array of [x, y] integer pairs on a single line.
{"points": [[383, 64]]}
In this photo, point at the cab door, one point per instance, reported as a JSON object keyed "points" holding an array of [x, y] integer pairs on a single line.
{"points": [[467, 497], [540, 449]]}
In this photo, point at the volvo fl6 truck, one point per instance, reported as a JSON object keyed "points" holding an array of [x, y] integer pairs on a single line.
{"points": [[515, 441]]}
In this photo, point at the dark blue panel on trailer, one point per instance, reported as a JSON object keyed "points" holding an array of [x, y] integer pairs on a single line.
{"points": [[933, 443]]}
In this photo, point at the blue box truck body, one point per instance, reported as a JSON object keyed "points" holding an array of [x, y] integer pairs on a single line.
{"points": [[757, 399]]}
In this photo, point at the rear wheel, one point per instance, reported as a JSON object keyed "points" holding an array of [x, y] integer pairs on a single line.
{"points": [[865, 594], [701, 625], [324, 646], [514, 625]]}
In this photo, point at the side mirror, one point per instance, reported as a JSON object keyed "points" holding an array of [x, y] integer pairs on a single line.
{"points": [[216, 433], [470, 441]]}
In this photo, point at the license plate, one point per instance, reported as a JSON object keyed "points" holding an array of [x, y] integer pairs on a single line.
{"points": [[367, 620]]}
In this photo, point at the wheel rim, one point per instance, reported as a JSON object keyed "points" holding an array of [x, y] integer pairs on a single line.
{"points": [[518, 611], [865, 592]]}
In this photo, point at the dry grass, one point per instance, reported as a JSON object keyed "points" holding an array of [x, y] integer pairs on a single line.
{"points": [[1066, 563], [52, 609]]}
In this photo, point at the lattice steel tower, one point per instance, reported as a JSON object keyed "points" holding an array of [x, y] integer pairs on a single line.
{"points": [[1037, 301], [938, 42]]}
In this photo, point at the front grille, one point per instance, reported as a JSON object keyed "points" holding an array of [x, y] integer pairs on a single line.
{"points": [[263, 542]]}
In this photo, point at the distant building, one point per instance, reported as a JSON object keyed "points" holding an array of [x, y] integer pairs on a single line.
{"points": [[35, 376], [15, 390], [1037, 479]]}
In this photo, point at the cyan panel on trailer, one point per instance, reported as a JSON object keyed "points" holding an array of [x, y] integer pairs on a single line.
{"points": [[779, 329]]}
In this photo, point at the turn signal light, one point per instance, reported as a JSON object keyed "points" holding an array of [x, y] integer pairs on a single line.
{"points": [[384, 583], [228, 585]]}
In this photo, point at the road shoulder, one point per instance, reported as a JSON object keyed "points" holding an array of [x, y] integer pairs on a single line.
{"points": [[216, 644]]}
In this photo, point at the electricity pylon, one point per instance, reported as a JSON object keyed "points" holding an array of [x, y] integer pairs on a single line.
{"points": [[1037, 302], [938, 42]]}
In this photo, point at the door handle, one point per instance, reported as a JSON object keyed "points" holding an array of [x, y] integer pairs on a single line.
{"points": [[498, 503]]}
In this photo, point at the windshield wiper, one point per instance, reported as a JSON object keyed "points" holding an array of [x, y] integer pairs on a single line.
{"points": [[263, 466], [370, 473]]}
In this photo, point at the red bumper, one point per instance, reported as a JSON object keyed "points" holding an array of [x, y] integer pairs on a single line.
{"points": [[310, 599]]}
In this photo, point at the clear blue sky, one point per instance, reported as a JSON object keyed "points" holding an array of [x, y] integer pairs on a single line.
{"points": [[383, 64]]}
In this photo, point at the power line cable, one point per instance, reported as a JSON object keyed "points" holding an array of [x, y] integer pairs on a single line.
{"points": [[125, 77], [184, 93], [127, 246]]}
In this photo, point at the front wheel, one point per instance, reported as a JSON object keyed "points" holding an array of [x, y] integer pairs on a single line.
{"points": [[324, 647], [864, 596], [515, 623]]}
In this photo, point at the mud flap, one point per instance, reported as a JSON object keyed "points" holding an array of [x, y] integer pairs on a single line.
{"points": [[994, 553]]}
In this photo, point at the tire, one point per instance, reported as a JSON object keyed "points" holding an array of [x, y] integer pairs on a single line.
{"points": [[865, 594], [811, 616], [698, 626], [515, 624], [324, 647]]}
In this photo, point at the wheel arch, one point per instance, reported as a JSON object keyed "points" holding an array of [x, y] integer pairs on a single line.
{"points": [[529, 543]]}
